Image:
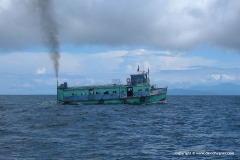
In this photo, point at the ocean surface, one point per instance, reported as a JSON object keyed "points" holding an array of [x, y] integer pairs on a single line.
{"points": [[186, 127]]}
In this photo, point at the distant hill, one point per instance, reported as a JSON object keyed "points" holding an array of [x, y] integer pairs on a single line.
{"points": [[221, 89]]}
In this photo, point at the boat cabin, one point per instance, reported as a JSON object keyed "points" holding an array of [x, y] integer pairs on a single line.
{"points": [[139, 79]]}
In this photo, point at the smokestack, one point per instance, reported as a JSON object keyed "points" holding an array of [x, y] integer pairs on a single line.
{"points": [[50, 30]]}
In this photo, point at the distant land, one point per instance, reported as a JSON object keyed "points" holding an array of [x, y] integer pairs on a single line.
{"points": [[221, 89]]}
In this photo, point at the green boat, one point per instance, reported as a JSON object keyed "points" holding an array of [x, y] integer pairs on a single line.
{"points": [[137, 91]]}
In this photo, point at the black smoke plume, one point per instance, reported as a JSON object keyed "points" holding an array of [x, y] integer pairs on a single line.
{"points": [[50, 30]]}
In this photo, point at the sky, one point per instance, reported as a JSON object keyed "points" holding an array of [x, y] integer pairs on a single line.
{"points": [[184, 43]]}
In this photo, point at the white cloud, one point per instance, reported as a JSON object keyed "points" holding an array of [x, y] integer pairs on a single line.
{"points": [[41, 70], [24, 62], [228, 77], [223, 77], [104, 62], [216, 76], [164, 60], [166, 68]]}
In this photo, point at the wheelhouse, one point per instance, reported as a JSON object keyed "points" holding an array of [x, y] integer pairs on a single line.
{"points": [[138, 79]]}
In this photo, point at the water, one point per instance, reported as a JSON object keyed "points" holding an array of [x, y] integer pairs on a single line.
{"points": [[35, 127]]}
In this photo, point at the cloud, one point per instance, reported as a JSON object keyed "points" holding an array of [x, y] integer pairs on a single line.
{"points": [[112, 62], [41, 70], [172, 25], [5, 4], [163, 60], [223, 77], [18, 26], [24, 62], [104, 64], [173, 69]]}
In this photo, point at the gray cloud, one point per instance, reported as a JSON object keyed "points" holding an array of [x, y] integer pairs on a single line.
{"points": [[18, 27], [172, 24]]}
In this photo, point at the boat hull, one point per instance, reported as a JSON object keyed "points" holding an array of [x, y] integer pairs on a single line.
{"points": [[140, 100]]}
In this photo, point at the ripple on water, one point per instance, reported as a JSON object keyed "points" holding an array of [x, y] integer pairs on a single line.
{"points": [[36, 127]]}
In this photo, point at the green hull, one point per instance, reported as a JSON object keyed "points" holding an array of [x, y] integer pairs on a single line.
{"points": [[144, 100]]}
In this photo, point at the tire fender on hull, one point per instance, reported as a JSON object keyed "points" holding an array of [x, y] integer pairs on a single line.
{"points": [[101, 101]]}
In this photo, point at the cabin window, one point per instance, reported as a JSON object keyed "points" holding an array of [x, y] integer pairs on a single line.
{"points": [[98, 92], [140, 90], [146, 89], [139, 79], [106, 92], [74, 94], [114, 91]]}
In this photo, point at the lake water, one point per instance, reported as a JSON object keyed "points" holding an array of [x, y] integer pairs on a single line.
{"points": [[186, 127]]}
